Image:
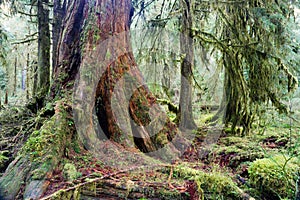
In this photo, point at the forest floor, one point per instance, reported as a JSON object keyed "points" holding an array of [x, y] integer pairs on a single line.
{"points": [[218, 171]]}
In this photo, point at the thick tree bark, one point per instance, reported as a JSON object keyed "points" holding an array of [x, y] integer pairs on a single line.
{"points": [[43, 79], [68, 54], [59, 9], [186, 119], [107, 59]]}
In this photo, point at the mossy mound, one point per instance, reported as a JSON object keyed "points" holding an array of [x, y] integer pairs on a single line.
{"points": [[275, 177], [70, 172], [212, 184], [232, 151]]}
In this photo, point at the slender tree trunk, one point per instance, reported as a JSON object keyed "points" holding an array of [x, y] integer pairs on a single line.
{"points": [[59, 9], [34, 69], [43, 81], [15, 78], [23, 80], [6, 97], [186, 119], [28, 74]]}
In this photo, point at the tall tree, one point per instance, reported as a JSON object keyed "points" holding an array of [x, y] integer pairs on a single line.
{"points": [[253, 47], [185, 117], [122, 72], [59, 9], [43, 79]]}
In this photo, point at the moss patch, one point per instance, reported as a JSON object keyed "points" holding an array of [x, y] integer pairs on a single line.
{"points": [[275, 176], [211, 185], [70, 173]]}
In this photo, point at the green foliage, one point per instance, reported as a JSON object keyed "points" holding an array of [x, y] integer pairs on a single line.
{"points": [[275, 176]]}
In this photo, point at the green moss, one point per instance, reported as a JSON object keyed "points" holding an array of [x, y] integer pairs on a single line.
{"points": [[70, 173], [211, 185], [161, 139], [206, 118], [232, 151], [76, 146], [233, 140], [40, 172], [3, 158], [275, 176], [66, 195], [50, 138]]}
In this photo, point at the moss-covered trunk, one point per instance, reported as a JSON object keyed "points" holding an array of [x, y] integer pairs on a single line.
{"points": [[110, 83]]}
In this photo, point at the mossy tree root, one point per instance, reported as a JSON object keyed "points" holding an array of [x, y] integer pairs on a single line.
{"points": [[28, 174]]}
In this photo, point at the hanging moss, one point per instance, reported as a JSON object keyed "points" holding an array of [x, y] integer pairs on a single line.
{"points": [[256, 58]]}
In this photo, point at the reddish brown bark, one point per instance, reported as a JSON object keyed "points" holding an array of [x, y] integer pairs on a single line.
{"points": [[121, 79], [104, 67], [68, 48]]}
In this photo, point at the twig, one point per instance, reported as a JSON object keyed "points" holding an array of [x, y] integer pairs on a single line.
{"points": [[169, 179]]}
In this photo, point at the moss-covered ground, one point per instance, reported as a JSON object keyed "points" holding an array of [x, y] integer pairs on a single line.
{"points": [[264, 164]]}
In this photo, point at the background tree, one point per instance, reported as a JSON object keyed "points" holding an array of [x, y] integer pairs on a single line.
{"points": [[186, 119], [43, 81], [251, 41], [59, 9], [20, 42]]}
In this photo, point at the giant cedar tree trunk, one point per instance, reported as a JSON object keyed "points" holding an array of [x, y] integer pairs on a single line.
{"points": [[107, 59]]}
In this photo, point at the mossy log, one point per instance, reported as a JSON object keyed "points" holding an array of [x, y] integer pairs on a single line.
{"points": [[121, 189]]}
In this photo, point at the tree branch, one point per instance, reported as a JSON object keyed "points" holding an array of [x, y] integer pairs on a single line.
{"points": [[25, 41], [27, 14]]}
